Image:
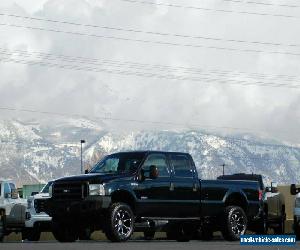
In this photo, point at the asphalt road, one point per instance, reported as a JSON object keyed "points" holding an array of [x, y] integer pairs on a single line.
{"points": [[135, 245]]}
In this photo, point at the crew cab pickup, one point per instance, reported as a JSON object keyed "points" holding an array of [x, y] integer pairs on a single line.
{"points": [[12, 209], [144, 190]]}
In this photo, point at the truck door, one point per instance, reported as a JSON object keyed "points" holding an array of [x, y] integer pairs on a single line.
{"points": [[154, 194], [185, 186]]}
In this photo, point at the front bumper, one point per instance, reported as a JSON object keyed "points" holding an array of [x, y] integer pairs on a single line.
{"points": [[76, 209], [33, 220]]}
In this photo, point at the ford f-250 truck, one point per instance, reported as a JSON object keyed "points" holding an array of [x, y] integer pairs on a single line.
{"points": [[143, 190]]}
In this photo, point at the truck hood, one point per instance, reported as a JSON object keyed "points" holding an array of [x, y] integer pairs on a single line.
{"points": [[92, 178]]}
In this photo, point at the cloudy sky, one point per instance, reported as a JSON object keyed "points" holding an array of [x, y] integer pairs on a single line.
{"points": [[197, 63]]}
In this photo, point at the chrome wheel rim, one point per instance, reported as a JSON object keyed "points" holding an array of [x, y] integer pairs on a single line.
{"points": [[238, 223], [123, 223]]}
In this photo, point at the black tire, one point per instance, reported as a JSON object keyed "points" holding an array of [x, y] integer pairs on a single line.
{"points": [[1, 228], [85, 234], [33, 234], [64, 233], [262, 227], [280, 229], [235, 223], [119, 225], [149, 234], [297, 229]]}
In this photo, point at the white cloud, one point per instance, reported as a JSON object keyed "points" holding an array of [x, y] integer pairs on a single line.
{"points": [[272, 110]]}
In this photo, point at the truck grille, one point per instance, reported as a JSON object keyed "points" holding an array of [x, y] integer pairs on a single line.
{"points": [[39, 205], [70, 190]]}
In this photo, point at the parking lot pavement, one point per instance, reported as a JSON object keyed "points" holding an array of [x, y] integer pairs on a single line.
{"points": [[135, 245]]}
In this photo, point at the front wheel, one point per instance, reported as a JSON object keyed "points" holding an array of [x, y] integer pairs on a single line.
{"points": [[120, 222], [235, 223], [64, 233]]}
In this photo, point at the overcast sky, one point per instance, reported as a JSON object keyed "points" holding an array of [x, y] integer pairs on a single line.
{"points": [[207, 101]]}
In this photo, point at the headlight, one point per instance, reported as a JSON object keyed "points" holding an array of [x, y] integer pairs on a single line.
{"points": [[297, 202], [96, 189], [29, 203], [50, 191]]}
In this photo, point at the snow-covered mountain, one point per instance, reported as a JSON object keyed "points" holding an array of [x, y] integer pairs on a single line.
{"points": [[37, 152]]}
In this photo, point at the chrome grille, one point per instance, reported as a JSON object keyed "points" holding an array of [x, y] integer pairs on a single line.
{"points": [[39, 205], [70, 190]]}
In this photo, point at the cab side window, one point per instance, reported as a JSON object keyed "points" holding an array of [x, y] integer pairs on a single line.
{"points": [[182, 166], [158, 160], [6, 189]]}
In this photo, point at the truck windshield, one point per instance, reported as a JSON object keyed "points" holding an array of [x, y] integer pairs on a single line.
{"points": [[45, 189], [119, 163]]}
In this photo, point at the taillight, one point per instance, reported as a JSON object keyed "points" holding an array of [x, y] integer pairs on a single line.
{"points": [[260, 195]]}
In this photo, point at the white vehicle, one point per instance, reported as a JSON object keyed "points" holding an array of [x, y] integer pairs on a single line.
{"points": [[12, 209], [37, 220], [296, 226]]}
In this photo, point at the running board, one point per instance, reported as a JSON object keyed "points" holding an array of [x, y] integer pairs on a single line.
{"points": [[171, 218]]}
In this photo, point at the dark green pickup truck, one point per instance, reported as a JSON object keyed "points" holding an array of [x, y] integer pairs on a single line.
{"points": [[149, 191]]}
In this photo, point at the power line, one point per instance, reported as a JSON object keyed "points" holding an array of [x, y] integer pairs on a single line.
{"points": [[150, 75], [262, 3], [136, 66], [151, 41], [145, 66], [208, 9], [102, 118], [149, 32]]}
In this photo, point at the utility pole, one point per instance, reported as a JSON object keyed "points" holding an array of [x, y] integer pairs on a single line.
{"points": [[223, 165], [81, 165]]}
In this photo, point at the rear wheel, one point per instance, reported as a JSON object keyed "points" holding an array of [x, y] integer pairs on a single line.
{"points": [[120, 222], [235, 223], [262, 227], [280, 229], [64, 233]]}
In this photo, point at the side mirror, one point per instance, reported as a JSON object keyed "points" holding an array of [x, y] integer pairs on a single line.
{"points": [[153, 172], [268, 189], [86, 171], [34, 193], [274, 187], [14, 194], [294, 190]]}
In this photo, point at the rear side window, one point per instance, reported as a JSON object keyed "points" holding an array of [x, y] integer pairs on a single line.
{"points": [[182, 166], [158, 160]]}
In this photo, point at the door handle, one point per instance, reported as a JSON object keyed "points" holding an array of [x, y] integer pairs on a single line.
{"points": [[171, 186], [194, 187]]}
